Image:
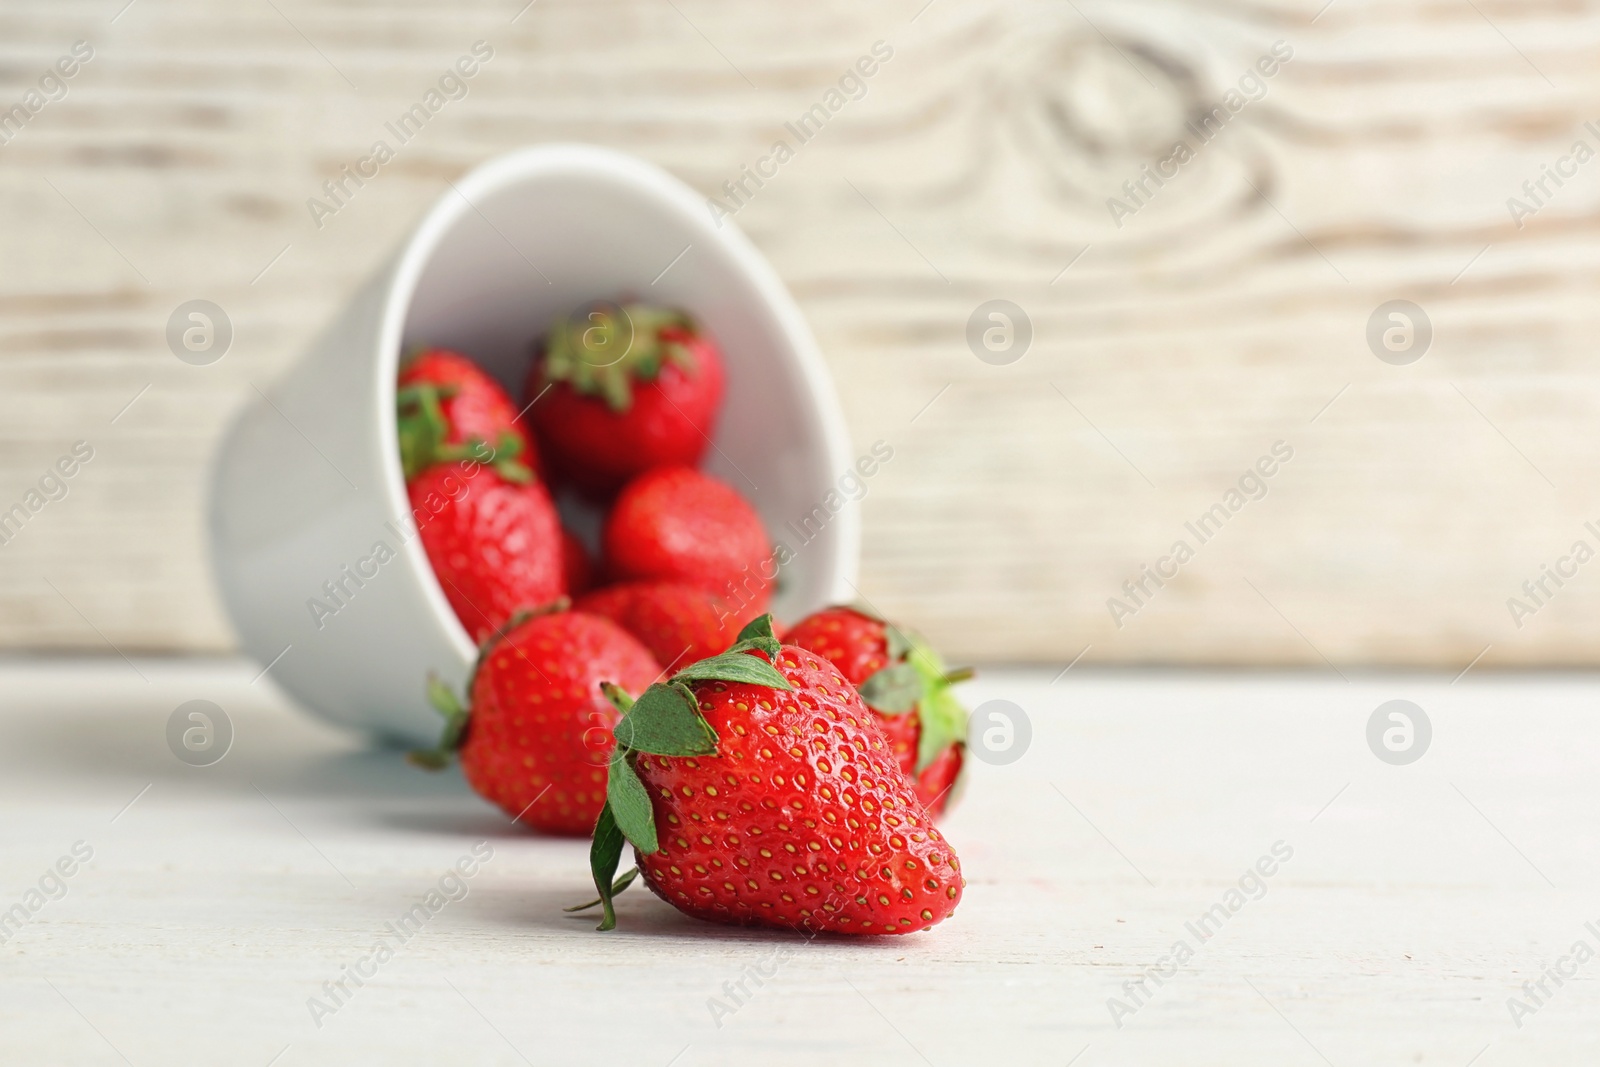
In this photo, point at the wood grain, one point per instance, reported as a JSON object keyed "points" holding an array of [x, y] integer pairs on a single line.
{"points": [[1167, 357]]}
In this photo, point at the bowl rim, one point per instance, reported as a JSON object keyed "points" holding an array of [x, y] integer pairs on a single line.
{"points": [[666, 193]]}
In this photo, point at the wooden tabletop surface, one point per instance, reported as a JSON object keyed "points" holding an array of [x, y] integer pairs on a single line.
{"points": [[1333, 908], [1171, 348]]}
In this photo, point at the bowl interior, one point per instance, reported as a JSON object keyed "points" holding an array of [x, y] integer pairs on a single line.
{"points": [[513, 250]]}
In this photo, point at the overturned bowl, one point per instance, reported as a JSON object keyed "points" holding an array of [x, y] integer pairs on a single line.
{"points": [[312, 540]]}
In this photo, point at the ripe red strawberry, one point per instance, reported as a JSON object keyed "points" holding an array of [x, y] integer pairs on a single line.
{"points": [[678, 623], [577, 569], [855, 642], [494, 544], [675, 524], [446, 403], [906, 684], [537, 737], [757, 789], [629, 388]]}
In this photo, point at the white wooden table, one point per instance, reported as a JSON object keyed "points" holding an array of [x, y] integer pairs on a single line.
{"points": [[1417, 899]]}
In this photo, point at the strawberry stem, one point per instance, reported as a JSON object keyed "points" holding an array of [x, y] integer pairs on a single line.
{"points": [[616, 887], [602, 350], [455, 727]]}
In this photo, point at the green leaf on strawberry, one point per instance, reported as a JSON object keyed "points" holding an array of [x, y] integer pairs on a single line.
{"points": [[630, 804], [944, 723], [603, 350], [943, 717], [916, 679], [664, 721], [757, 634], [424, 433], [605, 852], [894, 690], [733, 667], [421, 425]]}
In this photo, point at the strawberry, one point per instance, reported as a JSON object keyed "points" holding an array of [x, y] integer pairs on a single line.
{"points": [[494, 544], [675, 524], [757, 789], [678, 623], [537, 736], [629, 388], [446, 403], [577, 569], [906, 684]]}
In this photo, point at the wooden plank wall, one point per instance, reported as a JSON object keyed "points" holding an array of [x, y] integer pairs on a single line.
{"points": [[1173, 343]]}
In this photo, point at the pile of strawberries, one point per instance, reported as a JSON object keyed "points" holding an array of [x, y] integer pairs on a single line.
{"points": [[643, 696]]}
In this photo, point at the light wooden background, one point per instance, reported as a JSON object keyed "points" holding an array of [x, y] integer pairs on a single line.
{"points": [[1173, 352]]}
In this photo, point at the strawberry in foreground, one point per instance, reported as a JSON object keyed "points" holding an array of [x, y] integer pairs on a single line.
{"points": [[445, 403], [674, 524], [629, 388], [494, 544], [537, 736], [906, 683], [678, 623], [757, 789]]}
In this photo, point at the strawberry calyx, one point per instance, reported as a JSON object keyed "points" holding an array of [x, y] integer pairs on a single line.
{"points": [[665, 720], [423, 429], [456, 713], [455, 727], [894, 689], [623, 881], [502, 459], [916, 679], [604, 350], [421, 424]]}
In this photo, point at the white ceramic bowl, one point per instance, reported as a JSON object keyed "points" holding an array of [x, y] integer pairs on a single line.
{"points": [[307, 484]]}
